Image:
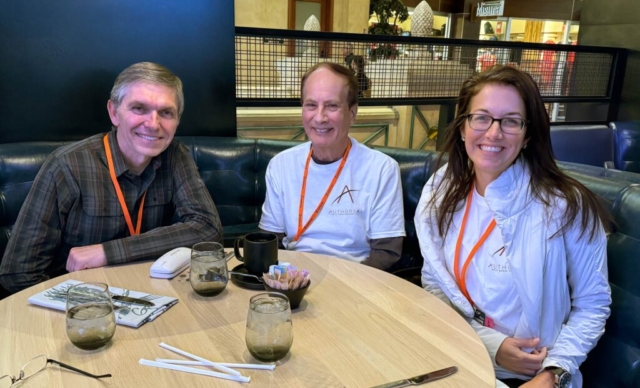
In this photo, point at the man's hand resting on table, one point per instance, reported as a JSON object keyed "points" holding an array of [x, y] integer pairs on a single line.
{"points": [[511, 357], [90, 256]]}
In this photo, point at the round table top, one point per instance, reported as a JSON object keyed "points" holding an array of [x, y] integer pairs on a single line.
{"points": [[356, 327]]}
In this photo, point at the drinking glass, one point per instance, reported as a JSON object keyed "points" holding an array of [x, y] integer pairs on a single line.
{"points": [[208, 274], [269, 332], [91, 321]]}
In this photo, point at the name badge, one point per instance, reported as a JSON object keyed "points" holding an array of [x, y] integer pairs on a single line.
{"points": [[480, 317]]}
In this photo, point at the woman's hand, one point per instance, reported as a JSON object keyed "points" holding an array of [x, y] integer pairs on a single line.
{"points": [[511, 357], [544, 379]]}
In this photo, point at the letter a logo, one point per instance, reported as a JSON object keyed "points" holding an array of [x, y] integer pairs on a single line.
{"points": [[345, 191]]}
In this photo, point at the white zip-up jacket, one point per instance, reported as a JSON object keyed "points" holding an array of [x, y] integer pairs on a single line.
{"points": [[561, 278]]}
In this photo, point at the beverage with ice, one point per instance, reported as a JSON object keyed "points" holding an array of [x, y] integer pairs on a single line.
{"points": [[269, 334], [91, 321], [91, 326], [208, 273]]}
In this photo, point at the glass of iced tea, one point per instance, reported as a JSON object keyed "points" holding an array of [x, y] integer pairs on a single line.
{"points": [[269, 334], [208, 274], [91, 321]]}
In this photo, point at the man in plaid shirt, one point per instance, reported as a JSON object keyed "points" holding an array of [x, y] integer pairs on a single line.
{"points": [[131, 194]]}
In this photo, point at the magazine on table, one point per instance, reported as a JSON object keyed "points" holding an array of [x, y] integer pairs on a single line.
{"points": [[127, 313]]}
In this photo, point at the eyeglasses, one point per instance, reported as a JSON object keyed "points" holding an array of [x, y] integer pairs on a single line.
{"points": [[36, 365], [511, 125]]}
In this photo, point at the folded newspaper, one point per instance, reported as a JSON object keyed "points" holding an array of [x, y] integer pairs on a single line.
{"points": [[127, 314]]}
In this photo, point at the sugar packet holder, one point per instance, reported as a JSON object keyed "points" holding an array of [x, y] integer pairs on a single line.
{"points": [[286, 277]]}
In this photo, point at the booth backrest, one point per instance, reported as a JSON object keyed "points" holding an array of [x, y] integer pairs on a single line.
{"points": [[584, 144], [19, 165], [615, 362], [617, 146], [234, 172], [626, 143], [599, 172]]}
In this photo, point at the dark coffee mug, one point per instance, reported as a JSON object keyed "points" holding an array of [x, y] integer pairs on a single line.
{"points": [[260, 251]]}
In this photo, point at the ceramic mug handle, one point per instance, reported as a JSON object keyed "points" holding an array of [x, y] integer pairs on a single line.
{"points": [[236, 248]]}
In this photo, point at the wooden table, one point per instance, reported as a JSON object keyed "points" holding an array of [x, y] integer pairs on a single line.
{"points": [[356, 327]]}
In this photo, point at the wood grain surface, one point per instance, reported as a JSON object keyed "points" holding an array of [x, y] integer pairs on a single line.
{"points": [[356, 327]]}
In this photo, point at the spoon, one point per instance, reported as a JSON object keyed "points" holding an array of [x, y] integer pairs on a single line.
{"points": [[247, 275]]}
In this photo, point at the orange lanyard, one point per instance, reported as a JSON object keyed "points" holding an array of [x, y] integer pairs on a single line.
{"points": [[116, 185], [302, 229], [461, 278]]}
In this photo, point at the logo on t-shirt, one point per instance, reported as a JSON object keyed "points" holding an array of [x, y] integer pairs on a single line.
{"points": [[345, 191], [496, 267]]}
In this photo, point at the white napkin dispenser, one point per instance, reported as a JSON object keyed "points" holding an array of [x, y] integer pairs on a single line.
{"points": [[171, 264]]}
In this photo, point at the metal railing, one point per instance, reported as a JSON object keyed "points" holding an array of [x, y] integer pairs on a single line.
{"points": [[431, 132], [419, 71]]}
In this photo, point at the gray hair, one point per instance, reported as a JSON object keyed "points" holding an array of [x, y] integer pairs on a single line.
{"points": [[147, 72]]}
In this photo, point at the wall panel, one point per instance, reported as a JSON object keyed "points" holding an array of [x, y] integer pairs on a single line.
{"points": [[58, 61], [448, 6], [616, 23]]}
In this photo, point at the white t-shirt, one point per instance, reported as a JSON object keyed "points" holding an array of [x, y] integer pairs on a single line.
{"points": [[365, 203], [489, 280]]}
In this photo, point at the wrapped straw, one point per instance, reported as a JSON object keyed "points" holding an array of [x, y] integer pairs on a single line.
{"points": [[180, 368], [227, 364], [216, 365]]}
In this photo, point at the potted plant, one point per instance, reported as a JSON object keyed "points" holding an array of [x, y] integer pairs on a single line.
{"points": [[386, 10]]}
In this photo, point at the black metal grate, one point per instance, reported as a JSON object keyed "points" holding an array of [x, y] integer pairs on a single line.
{"points": [[270, 64]]}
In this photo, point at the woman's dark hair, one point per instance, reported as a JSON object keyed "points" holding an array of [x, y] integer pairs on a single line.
{"points": [[547, 180]]}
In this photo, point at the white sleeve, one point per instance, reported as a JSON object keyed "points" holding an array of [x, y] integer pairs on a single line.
{"points": [[430, 241], [387, 214], [273, 215], [590, 298]]}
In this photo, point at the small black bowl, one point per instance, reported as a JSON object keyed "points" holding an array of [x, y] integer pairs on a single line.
{"points": [[295, 296]]}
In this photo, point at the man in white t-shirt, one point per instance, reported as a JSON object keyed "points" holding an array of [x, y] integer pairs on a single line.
{"points": [[333, 195]]}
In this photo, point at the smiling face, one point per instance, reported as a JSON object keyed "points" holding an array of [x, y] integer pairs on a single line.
{"points": [[147, 119], [326, 115], [493, 151]]}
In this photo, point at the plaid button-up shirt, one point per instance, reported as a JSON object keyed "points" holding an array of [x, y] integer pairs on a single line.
{"points": [[73, 203]]}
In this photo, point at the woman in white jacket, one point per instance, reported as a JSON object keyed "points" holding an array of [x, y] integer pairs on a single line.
{"points": [[510, 241]]}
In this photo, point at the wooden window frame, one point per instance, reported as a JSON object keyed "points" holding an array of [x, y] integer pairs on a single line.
{"points": [[326, 24]]}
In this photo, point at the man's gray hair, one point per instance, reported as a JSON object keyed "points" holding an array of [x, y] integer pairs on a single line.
{"points": [[148, 72]]}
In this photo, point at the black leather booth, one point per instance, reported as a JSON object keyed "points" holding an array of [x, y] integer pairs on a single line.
{"points": [[626, 145], [233, 170], [616, 146], [584, 144]]}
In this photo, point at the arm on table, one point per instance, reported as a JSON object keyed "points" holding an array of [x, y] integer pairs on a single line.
{"points": [[199, 220], [90, 256]]}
